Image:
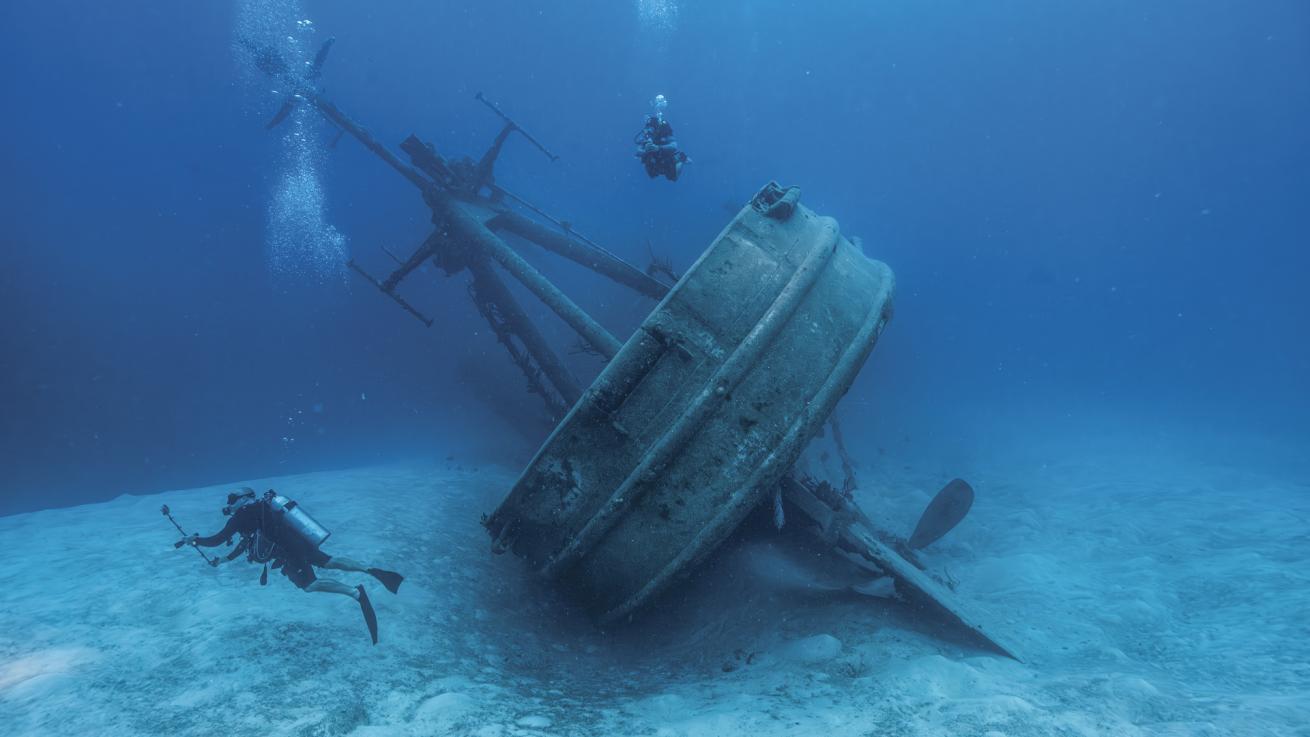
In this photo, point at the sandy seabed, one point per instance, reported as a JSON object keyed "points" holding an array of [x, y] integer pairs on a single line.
{"points": [[1148, 595]]}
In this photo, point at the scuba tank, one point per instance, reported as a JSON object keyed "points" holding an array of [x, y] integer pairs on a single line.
{"points": [[265, 543], [296, 520]]}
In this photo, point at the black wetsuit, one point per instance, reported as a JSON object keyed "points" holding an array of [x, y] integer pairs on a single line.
{"points": [[658, 150], [289, 552]]}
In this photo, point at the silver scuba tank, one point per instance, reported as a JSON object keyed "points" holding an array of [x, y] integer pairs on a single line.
{"points": [[298, 520]]}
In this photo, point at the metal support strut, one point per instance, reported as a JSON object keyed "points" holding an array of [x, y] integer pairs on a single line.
{"points": [[464, 238]]}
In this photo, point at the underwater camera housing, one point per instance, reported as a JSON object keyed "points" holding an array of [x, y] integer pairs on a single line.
{"points": [[297, 519]]}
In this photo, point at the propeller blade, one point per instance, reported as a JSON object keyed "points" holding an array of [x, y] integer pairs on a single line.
{"points": [[282, 113], [942, 514], [317, 67]]}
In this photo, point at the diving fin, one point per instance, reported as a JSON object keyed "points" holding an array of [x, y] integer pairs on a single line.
{"points": [[263, 577], [942, 514], [370, 617], [390, 579]]}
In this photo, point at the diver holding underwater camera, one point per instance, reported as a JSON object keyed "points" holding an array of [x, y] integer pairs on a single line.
{"points": [[274, 529]]}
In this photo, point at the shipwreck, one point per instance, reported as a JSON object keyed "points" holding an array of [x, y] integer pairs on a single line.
{"points": [[697, 417]]}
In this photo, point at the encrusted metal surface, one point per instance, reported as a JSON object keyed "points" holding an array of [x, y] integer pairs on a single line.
{"points": [[702, 411]]}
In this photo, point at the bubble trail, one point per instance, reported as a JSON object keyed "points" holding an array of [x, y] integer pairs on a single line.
{"points": [[300, 243]]}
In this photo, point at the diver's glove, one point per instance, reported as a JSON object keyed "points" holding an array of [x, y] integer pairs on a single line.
{"points": [[188, 540]]}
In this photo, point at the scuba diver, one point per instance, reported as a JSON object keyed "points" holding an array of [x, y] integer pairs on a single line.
{"points": [[275, 529], [656, 146]]}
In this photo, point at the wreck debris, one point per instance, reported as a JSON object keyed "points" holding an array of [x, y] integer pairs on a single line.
{"points": [[464, 239], [483, 290], [854, 537], [661, 265], [510, 124], [847, 465]]}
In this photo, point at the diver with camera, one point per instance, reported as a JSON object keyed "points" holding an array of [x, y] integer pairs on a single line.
{"points": [[276, 530]]}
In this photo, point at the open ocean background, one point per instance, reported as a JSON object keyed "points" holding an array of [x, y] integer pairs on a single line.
{"points": [[1097, 214]]}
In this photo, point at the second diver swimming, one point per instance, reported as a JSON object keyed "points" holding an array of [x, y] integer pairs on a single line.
{"points": [[656, 146]]}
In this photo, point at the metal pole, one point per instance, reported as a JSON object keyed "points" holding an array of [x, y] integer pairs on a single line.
{"points": [[334, 114], [573, 233], [458, 220], [211, 561], [596, 260], [589, 329], [515, 126], [490, 286], [603, 264]]}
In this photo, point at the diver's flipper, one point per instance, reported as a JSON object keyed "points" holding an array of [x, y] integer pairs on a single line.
{"points": [[942, 514], [390, 579], [282, 113], [370, 617]]}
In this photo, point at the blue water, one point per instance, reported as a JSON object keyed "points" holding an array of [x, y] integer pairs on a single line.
{"points": [[1097, 214]]}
